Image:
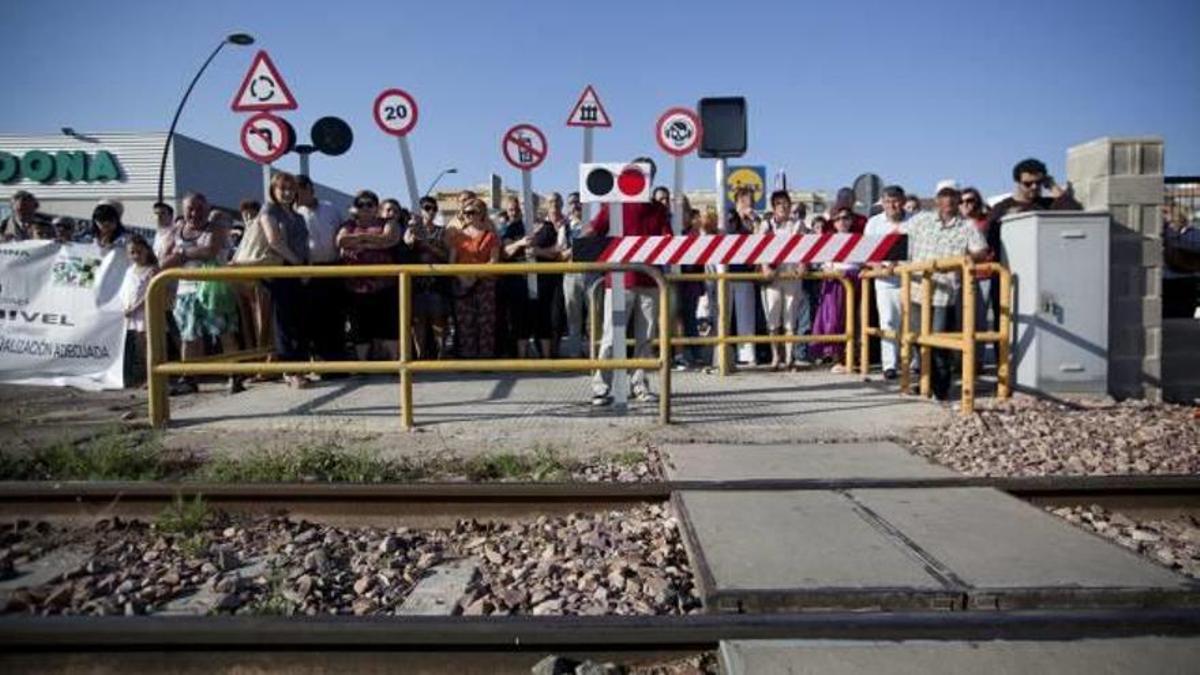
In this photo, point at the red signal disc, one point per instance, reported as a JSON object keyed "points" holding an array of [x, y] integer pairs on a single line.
{"points": [[631, 182]]}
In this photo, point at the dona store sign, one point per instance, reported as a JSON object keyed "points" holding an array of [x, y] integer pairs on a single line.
{"points": [[72, 166]]}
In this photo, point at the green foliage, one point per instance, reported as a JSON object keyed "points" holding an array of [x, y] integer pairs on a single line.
{"points": [[113, 455], [183, 517], [322, 463]]}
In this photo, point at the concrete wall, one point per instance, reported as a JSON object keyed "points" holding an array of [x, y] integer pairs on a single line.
{"points": [[1124, 176]]}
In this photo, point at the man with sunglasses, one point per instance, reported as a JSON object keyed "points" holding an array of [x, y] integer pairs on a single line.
{"points": [[1030, 178]]}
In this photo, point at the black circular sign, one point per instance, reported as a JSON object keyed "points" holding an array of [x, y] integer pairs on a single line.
{"points": [[332, 136], [600, 182], [291, 136]]}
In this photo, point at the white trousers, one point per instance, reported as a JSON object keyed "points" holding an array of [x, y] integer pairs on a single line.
{"points": [[641, 307], [781, 300], [887, 301], [743, 313]]}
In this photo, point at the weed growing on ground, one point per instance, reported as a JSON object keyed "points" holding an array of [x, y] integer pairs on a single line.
{"points": [[320, 463], [275, 602], [544, 463], [627, 458], [115, 454], [185, 518]]}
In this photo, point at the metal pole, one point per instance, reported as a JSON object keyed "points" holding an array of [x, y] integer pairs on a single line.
{"points": [[620, 391], [530, 223], [904, 337], [156, 353], [304, 163], [587, 159], [406, 397], [722, 326], [266, 177], [926, 331], [968, 334], [721, 193], [722, 290], [664, 353], [1004, 352], [677, 221], [162, 166], [410, 176], [864, 353]]}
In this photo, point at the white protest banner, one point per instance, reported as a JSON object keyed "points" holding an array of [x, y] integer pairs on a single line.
{"points": [[61, 316]]}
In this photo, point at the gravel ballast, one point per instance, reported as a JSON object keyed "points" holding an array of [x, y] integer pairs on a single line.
{"points": [[1026, 436], [1171, 542], [630, 561]]}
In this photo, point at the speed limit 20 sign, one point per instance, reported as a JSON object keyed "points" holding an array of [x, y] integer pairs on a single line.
{"points": [[396, 112]]}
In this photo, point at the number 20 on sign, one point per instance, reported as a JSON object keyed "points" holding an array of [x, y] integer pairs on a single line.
{"points": [[396, 112]]}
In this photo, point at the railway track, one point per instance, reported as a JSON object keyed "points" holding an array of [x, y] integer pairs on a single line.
{"points": [[367, 501]]}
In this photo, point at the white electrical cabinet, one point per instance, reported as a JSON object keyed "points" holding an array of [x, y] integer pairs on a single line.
{"points": [[1060, 266]]}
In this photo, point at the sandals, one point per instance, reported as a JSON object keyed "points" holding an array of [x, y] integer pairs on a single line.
{"points": [[295, 381]]}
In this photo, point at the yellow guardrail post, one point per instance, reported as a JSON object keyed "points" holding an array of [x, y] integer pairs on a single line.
{"points": [[968, 333], [722, 326], [1004, 350], [157, 385], [848, 286], [664, 349], [406, 388], [865, 319], [905, 331], [926, 328]]}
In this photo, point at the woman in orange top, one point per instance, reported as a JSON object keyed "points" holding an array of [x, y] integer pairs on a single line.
{"points": [[474, 297]]}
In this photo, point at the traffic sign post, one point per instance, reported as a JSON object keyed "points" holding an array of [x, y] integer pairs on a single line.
{"points": [[396, 113], [263, 88], [524, 147], [588, 113], [616, 185], [678, 134]]}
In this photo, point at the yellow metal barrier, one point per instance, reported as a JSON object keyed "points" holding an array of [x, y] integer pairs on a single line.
{"points": [[723, 340], [158, 369], [963, 341]]}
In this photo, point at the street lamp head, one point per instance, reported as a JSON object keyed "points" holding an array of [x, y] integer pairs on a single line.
{"points": [[67, 131], [451, 170], [241, 39]]}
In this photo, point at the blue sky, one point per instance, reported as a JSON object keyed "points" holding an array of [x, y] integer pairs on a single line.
{"points": [[914, 91]]}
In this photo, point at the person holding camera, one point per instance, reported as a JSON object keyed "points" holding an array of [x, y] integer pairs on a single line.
{"points": [[1030, 178]]}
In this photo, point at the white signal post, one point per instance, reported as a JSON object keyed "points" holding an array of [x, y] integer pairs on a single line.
{"points": [[524, 146], [396, 113], [613, 191], [678, 133]]}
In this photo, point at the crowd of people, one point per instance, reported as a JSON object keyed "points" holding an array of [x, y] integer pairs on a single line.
{"points": [[478, 315]]}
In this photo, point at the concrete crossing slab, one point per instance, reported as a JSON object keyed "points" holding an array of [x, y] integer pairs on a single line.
{"points": [[1117, 656], [800, 550], [1012, 555], [817, 461]]}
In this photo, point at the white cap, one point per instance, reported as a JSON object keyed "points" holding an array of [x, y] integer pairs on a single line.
{"points": [[947, 184], [115, 204]]}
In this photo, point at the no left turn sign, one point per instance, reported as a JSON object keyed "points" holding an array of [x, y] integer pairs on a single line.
{"points": [[265, 138], [679, 131], [524, 146], [396, 112]]}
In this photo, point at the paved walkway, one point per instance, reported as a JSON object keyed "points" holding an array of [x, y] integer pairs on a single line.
{"points": [[471, 413]]}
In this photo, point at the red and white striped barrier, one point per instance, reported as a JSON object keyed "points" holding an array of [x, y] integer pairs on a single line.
{"points": [[757, 249]]}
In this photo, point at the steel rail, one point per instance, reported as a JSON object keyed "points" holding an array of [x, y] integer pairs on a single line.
{"points": [[568, 633], [1179, 485]]}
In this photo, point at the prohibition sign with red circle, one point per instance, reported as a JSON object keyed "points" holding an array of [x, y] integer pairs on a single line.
{"points": [[519, 151], [396, 112], [678, 131], [265, 138]]}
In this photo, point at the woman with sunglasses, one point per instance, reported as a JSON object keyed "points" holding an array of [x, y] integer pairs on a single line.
{"points": [[368, 239], [973, 209], [474, 242]]}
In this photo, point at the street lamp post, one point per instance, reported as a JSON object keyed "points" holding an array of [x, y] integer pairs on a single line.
{"points": [[240, 39], [439, 177]]}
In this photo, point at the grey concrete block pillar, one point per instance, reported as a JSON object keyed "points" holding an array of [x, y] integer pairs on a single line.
{"points": [[1124, 176]]}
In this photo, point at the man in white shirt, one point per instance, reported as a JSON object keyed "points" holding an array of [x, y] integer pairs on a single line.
{"points": [[327, 319], [887, 289]]}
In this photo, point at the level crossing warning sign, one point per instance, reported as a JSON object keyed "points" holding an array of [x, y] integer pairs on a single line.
{"points": [[263, 88], [589, 111], [524, 146]]}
